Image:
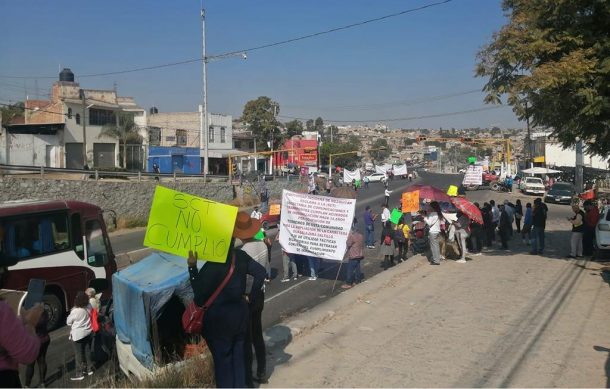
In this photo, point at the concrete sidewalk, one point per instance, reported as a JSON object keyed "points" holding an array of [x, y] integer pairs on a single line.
{"points": [[504, 319]]}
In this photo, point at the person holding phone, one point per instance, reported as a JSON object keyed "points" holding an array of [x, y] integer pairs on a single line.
{"points": [[18, 342]]}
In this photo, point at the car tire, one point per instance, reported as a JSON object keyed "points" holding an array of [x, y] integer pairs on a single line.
{"points": [[55, 309]]}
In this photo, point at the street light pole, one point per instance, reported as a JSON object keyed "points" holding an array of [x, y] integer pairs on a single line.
{"points": [[82, 96], [203, 131]]}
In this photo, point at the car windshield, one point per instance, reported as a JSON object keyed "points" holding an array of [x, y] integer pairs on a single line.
{"points": [[561, 192], [562, 187], [533, 180]]}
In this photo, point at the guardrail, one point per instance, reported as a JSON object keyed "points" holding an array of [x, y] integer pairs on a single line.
{"points": [[96, 174]]}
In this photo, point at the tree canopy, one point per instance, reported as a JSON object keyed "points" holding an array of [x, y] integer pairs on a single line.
{"points": [[551, 63], [10, 111], [380, 155], [349, 160], [294, 127], [260, 117]]}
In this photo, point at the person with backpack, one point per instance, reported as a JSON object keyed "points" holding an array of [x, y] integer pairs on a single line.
{"points": [[401, 239], [387, 248], [433, 220]]}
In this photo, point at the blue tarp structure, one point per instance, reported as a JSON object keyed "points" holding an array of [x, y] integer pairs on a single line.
{"points": [[140, 291]]}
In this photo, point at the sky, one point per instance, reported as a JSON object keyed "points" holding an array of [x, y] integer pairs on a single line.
{"points": [[392, 71]]}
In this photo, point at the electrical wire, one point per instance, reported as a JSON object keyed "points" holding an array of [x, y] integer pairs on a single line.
{"points": [[255, 48], [405, 118]]}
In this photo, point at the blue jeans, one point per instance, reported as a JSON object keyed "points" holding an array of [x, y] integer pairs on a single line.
{"points": [[229, 361], [370, 240], [353, 271], [314, 265], [537, 240]]}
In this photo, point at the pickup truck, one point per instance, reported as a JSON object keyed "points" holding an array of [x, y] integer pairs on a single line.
{"points": [[532, 185]]}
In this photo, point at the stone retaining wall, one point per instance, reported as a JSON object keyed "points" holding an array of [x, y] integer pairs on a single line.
{"points": [[130, 199]]}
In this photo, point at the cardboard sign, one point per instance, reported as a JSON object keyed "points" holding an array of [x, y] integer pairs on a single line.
{"points": [[473, 176], [315, 226], [395, 216], [180, 222], [452, 191], [274, 209], [410, 202]]}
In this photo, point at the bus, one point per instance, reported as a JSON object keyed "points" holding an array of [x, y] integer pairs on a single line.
{"points": [[64, 243]]}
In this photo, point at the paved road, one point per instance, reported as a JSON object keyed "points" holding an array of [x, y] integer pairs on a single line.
{"points": [[286, 299]]}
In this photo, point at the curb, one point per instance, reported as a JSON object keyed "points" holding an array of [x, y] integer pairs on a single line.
{"points": [[125, 259]]}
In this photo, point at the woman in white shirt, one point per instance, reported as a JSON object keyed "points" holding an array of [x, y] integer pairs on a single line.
{"points": [[79, 322], [433, 221]]}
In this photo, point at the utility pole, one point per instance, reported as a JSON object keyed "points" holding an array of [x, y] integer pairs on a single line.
{"points": [[578, 174], [529, 136], [203, 131], [82, 96]]}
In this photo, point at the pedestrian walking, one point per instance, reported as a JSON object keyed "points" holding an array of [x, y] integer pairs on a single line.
{"points": [[462, 232], [591, 219], [577, 221], [527, 224], [385, 214], [387, 196], [369, 227], [387, 248], [539, 215], [433, 221], [366, 182], [518, 215], [401, 239], [289, 263], [79, 322], [355, 254]]}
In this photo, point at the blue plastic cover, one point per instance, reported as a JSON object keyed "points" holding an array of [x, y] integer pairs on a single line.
{"points": [[140, 291]]}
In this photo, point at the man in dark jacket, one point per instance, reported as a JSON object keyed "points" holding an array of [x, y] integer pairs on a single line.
{"points": [[226, 321], [539, 215]]}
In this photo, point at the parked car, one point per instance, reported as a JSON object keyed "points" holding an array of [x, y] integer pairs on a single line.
{"points": [[532, 185], [561, 193], [376, 177], [602, 232], [268, 221]]}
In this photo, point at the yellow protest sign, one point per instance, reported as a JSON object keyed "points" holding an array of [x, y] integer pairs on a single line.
{"points": [[452, 191], [410, 201], [180, 222], [274, 209]]}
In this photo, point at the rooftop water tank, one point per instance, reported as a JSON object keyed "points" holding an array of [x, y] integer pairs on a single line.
{"points": [[66, 75], [154, 110]]}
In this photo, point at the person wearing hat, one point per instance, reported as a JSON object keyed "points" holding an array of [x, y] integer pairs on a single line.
{"points": [[19, 343], [226, 321]]}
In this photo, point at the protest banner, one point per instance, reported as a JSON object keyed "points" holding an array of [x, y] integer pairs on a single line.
{"points": [[316, 226], [400, 170], [452, 191], [473, 176], [180, 222], [274, 209], [395, 216], [349, 176], [410, 202]]}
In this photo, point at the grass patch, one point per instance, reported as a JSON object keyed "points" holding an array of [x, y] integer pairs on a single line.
{"points": [[131, 222]]}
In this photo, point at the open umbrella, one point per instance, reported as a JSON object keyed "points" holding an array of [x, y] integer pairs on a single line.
{"points": [[468, 209], [540, 170], [428, 192]]}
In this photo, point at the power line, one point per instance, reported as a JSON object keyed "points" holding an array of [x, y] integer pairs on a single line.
{"points": [[255, 48], [406, 118]]}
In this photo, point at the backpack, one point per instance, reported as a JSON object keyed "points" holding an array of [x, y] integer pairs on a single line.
{"points": [[399, 235], [387, 240]]}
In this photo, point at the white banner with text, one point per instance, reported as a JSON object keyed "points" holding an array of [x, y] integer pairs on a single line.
{"points": [[315, 226], [473, 176]]}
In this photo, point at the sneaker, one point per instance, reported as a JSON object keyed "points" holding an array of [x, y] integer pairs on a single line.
{"points": [[285, 280], [571, 256], [442, 257], [346, 286], [77, 377], [477, 254], [295, 278], [313, 278], [434, 263], [461, 261], [90, 372]]}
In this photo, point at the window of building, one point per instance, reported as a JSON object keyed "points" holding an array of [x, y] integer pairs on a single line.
{"points": [[211, 134], [69, 113], [223, 135], [77, 117], [154, 136], [251, 145], [35, 236], [101, 117], [238, 144], [181, 136]]}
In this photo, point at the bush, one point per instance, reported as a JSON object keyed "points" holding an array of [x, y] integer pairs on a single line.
{"points": [[131, 222]]}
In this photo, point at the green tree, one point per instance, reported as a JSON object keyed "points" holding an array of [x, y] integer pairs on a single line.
{"points": [[126, 132], [319, 125], [552, 64], [294, 127], [409, 141], [260, 117], [380, 155], [348, 157], [10, 111], [355, 141], [309, 125]]}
